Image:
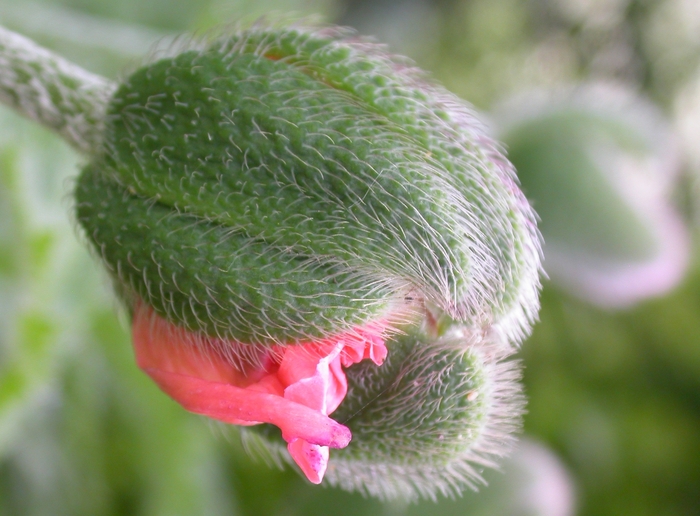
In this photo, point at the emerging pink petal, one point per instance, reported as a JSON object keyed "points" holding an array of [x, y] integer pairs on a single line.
{"points": [[311, 458], [293, 387]]}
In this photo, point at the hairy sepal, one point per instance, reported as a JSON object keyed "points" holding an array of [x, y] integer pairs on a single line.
{"points": [[325, 150], [211, 279]]}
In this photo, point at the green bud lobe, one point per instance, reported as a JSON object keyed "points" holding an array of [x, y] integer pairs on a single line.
{"points": [[425, 421], [245, 280], [312, 149]]}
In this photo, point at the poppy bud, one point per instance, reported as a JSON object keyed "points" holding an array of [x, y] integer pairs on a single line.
{"points": [[279, 204]]}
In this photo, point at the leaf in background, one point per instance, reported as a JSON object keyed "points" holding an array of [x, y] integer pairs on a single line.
{"points": [[81, 429], [39, 254]]}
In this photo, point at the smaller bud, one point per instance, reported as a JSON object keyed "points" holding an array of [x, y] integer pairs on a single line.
{"points": [[600, 164], [428, 421]]}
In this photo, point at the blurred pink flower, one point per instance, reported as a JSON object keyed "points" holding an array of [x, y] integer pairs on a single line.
{"points": [[293, 387]]}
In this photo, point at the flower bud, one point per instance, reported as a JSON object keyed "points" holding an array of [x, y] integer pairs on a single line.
{"points": [[600, 165], [282, 203]]}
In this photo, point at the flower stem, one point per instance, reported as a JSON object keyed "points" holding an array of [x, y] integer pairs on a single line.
{"points": [[53, 91]]}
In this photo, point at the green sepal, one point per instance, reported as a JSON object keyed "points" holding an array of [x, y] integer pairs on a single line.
{"points": [[209, 278], [327, 150]]}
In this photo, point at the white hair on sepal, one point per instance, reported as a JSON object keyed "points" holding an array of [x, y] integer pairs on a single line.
{"points": [[450, 123], [502, 400], [464, 129], [398, 311], [232, 37]]}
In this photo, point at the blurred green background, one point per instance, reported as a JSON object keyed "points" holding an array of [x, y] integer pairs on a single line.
{"points": [[613, 423]]}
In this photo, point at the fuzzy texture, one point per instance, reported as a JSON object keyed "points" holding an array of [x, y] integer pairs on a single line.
{"points": [[54, 92], [286, 186], [204, 275], [329, 157]]}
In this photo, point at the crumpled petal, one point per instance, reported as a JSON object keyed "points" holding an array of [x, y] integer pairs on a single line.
{"points": [[312, 459], [293, 387]]}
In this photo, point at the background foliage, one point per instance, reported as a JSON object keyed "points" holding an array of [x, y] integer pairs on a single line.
{"points": [[614, 396]]}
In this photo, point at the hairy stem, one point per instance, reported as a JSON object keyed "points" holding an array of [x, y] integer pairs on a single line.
{"points": [[54, 92]]}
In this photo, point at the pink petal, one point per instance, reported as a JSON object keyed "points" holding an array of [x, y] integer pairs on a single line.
{"points": [[301, 361], [209, 385], [324, 387], [159, 343], [311, 459], [234, 405], [294, 387], [367, 342]]}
